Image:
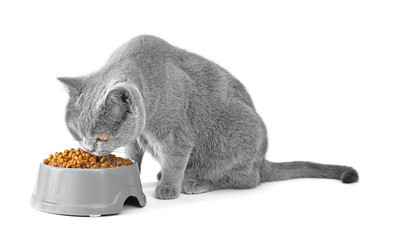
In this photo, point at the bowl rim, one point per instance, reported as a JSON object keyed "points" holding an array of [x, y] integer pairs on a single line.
{"points": [[85, 169]]}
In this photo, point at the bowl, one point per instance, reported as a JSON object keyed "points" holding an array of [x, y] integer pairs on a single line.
{"points": [[86, 192]]}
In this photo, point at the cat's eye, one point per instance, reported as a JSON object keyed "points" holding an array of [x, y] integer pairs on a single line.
{"points": [[104, 138]]}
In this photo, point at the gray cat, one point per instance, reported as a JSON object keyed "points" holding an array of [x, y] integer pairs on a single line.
{"points": [[192, 115]]}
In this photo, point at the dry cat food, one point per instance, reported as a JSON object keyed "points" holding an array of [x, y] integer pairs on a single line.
{"points": [[78, 158]]}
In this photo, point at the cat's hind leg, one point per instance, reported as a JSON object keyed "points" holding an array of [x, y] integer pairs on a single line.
{"points": [[240, 176], [194, 186]]}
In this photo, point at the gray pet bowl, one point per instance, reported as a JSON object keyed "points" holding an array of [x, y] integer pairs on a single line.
{"points": [[86, 192]]}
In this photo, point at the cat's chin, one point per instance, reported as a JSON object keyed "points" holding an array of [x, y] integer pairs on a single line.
{"points": [[101, 153]]}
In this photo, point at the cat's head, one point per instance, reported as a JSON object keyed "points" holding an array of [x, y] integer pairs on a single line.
{"points": [[103, 116]]}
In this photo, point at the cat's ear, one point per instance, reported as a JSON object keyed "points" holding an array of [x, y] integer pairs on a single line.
{"points": [[74, 85], [118, 103]]}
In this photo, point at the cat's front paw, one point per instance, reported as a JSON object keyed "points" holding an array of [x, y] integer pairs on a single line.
{"points": [[167, 192]]}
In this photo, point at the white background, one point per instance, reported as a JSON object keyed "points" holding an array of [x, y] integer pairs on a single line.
{"points": [[320, 74]]}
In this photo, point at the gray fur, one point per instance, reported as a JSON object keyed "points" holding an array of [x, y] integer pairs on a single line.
{"points": [[191, 114]]}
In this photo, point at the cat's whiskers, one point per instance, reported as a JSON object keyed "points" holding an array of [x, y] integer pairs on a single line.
{"points": [[110, 159]]}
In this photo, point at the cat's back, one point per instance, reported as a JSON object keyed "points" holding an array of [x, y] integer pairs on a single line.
{"points": [[145, 46], [155, 56]]}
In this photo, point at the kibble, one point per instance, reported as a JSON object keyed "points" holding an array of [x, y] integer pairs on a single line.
{"points": [[71, 158]]}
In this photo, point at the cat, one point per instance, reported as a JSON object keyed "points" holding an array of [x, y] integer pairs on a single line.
{"points": [[192, 115]]}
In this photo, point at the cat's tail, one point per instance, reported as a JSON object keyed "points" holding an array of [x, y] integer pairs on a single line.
{"points": [[271, 171]]}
